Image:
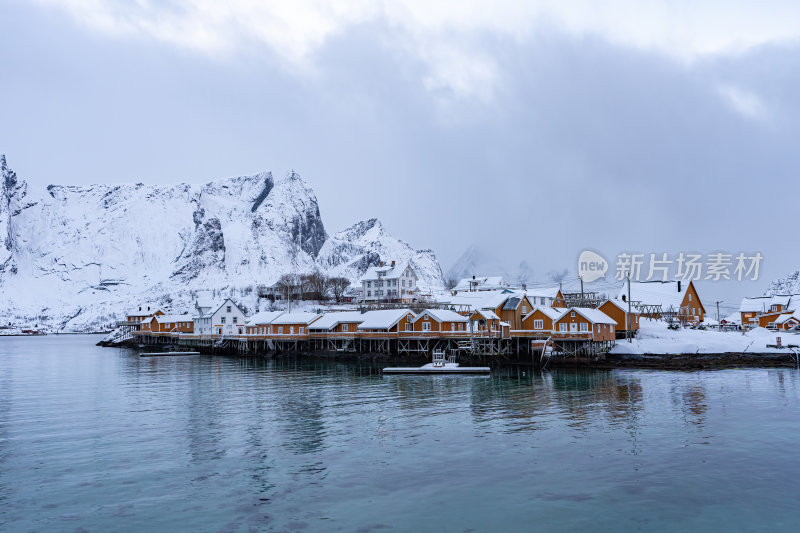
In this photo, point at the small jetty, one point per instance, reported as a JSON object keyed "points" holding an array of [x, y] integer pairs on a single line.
{"points": [[440, 365], [161, 354]]}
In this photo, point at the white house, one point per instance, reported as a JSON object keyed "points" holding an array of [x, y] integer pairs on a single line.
{"points": [[221, 318], [394, 281]]}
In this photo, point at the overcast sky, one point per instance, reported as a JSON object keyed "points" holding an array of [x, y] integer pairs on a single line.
{"points": [[531, 129]]}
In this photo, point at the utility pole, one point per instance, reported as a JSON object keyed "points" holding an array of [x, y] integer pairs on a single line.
{"points": [[581, 278], [628, 318], [719, 325]]}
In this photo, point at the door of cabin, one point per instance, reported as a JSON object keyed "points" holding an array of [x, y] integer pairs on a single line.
{"points": [[573, 327]]}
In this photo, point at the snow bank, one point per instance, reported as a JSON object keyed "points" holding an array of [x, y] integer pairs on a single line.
{"points": [[655, 338]]}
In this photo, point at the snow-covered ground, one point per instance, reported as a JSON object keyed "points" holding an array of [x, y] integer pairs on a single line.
{"points": [[655, 338]]}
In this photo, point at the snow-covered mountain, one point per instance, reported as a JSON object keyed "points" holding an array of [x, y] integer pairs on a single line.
{"points": [[351, 251], [788, 285], [73, 257]]}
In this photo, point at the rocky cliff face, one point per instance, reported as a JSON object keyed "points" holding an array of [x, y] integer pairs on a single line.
{"points": [[78, 256], [351, 251]]}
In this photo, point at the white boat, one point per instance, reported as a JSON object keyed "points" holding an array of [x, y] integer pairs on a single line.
{"points": [[441, 365]]}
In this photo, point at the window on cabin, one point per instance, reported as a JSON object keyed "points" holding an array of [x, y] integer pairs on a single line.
{"points": [[235, 319], [572, 314], [538, 324], [291, 330], [494, 326], [562, 327], [345, 327], [302, 330], [223, 320], [584, 326], [409, 326], [229, 308], [426, 326], [524, 310], [280, 330]]}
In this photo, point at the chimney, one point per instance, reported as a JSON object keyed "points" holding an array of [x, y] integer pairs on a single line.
{"points": [[679, 285], [381, 263]]}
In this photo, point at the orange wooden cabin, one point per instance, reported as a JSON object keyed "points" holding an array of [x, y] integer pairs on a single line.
{"points": [[541, 320], [618, 310], [583, 323]]}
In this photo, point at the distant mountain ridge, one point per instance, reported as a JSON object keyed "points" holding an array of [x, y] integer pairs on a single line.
{"points": [[476, 262], [786, 285], [75, 256]]}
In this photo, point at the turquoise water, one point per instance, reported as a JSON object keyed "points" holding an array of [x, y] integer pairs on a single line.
{"points": [[98, 439]]}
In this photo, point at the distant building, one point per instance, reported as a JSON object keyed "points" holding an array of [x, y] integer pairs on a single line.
{"points": [[665, 299], [389, 282], [220, 318], [543, 297], [480, 283], [618, 310], [260, 323], [141, 314], [294, 325], [768, 311], [171, 324]]}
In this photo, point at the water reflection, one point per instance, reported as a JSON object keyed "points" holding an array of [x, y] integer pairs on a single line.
{"points": [[238, 444]]}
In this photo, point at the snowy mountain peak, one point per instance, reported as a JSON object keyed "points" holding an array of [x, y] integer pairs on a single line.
{"points": [[73, 256], [351, 251], [364, 231]]}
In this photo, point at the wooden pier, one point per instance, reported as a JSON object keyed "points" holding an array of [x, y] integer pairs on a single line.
{"points": [[520, 347]]}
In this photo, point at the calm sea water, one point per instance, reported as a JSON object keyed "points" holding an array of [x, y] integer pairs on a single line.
{"points": [[98, 439]]}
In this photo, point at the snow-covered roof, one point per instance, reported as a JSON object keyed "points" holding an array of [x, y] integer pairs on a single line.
{"points": [[487, 314], [144, 309], [786, 316], [383, 319], [204, 301], [592, 315], [550, 312], [495, 299], [264, 317], [442, 315], [481, 283], [479, 300], [762, 304], [163, 319], [665, 293], [296, 318], [216, 306], [546, 292], [387, 271], [781, 299], [331, 320], [756, 304]]}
